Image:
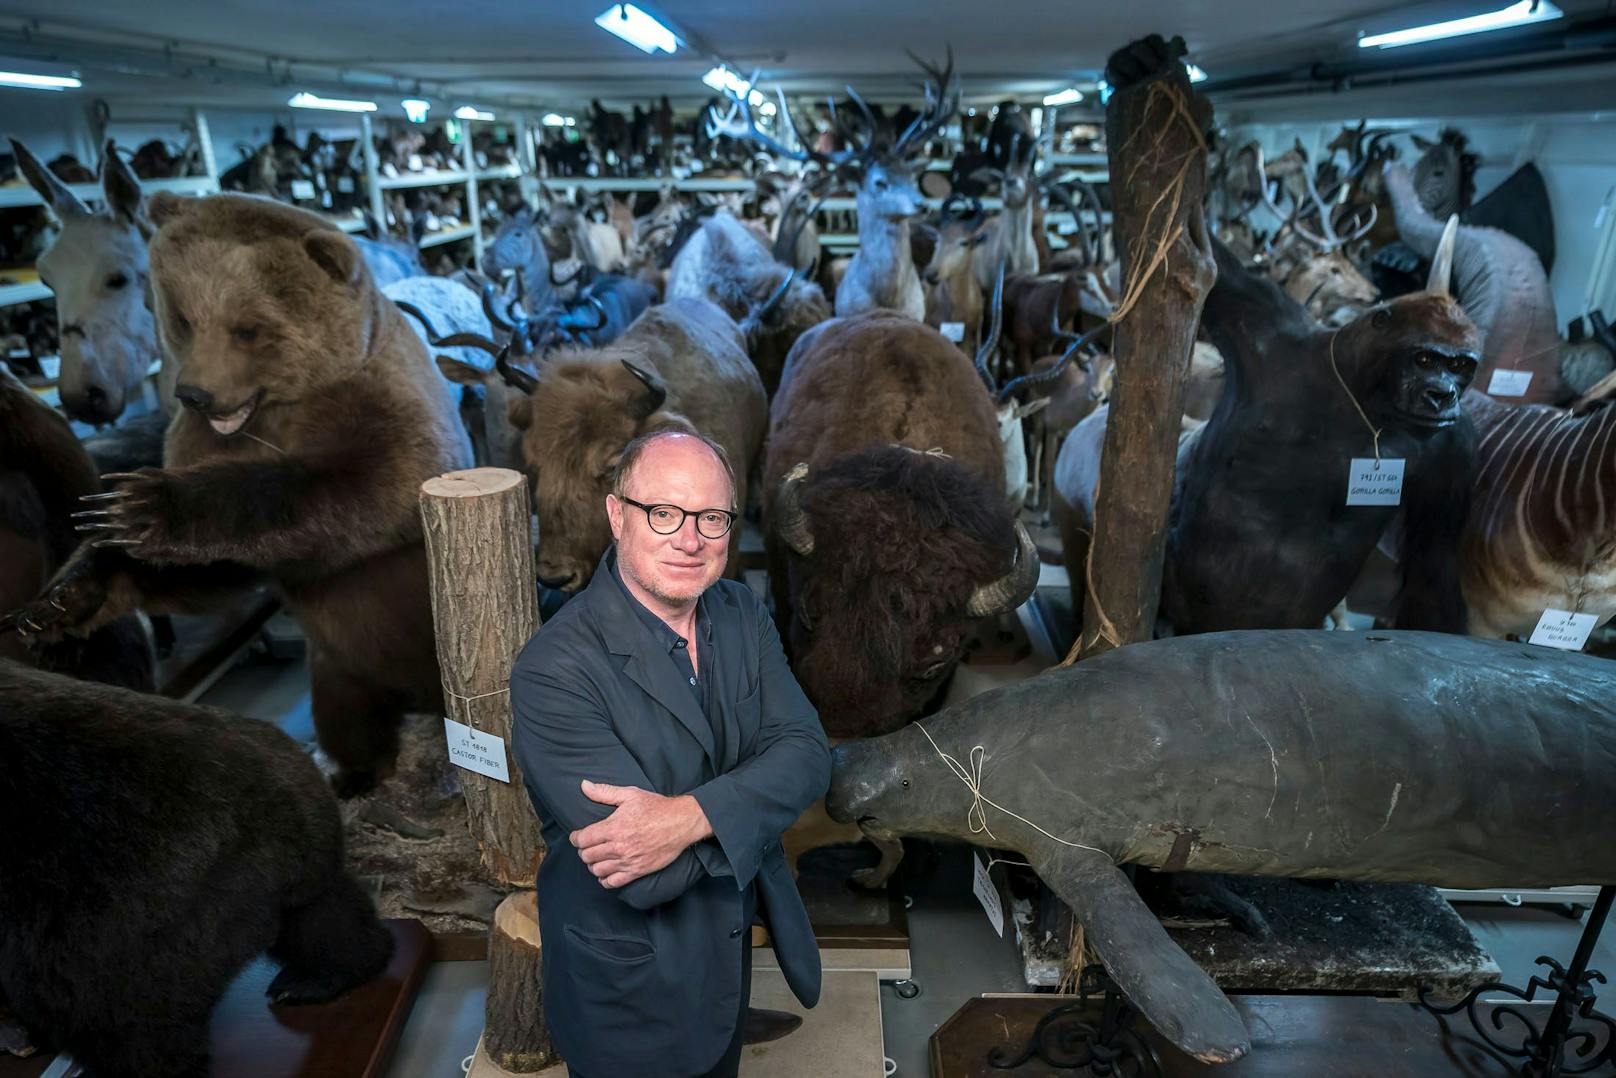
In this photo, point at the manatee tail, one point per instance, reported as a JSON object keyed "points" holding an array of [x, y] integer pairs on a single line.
{"points": [[1171, 991]]}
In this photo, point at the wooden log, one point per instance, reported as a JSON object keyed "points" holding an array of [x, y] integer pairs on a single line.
{"points": [[485, 607], [515, 1037], [1154, 126]]}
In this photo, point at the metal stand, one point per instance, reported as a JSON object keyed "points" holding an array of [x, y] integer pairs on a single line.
{"points": [[1066, 1040], [1556, 1049]]}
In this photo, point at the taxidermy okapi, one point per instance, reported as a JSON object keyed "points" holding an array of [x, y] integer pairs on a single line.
{"points": [[151, 850], [312, 415], [1259, 534]]}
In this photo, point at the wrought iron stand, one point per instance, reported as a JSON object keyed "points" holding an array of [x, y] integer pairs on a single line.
{"points": [[1556, 1049], [1066, 1039]]}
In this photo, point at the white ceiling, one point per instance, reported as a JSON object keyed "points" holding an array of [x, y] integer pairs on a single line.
{"points": [[549, 53]]}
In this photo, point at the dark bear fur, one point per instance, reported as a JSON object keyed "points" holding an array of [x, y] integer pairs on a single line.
{"points": [[316, 494], [151, 849], [43, 472]]}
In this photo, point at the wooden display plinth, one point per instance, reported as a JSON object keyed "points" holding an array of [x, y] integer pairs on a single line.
{"points": [[1318, 1036], [352, 1037]]}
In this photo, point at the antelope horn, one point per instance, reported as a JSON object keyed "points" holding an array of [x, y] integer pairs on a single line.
{"points": [[774, 300], [1029, 381], [1441, 279], [493, 316], [790, 521], [420, 316], [984, 353], [514, 376], [1012, 589]]}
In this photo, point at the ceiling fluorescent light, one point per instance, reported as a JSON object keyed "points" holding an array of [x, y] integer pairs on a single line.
{"points": [[724, 80], [555, 119], [467, 112], [38, 82], [637, 28], [1070, 96], [335, 104], [415, 109], [1195, 72], [1518, 14]]}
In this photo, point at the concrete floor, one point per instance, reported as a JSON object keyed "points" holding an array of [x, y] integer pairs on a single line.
{"points": [[955, 953]]}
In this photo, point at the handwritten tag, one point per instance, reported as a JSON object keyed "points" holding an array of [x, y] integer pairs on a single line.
{"points": [[476, 751], [1562, 629], [1509, 383], [1375, 482], [987, 894], [345, 185], [302, 189], [954, 331]]}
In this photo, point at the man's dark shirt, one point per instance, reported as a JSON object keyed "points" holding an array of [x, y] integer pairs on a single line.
{"points": [[679, 651]]}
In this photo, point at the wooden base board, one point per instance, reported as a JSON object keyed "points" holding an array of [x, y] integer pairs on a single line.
{"points": [[1318, 1036], [352, 1037]]}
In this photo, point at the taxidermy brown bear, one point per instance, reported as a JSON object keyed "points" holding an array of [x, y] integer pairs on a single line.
{"points": [[312, 413], [151, 849]]}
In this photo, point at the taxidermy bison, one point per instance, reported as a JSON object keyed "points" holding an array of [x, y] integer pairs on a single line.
{"points": [[43, 473], [680, 366], [312, 413], [886, 519], [151, 850], [1259, 534]]}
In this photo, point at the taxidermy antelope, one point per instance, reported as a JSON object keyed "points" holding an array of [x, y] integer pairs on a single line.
{"points": [[882, 273]]}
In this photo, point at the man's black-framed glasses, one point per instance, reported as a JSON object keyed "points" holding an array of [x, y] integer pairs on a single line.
{"points": [[667, 519]]}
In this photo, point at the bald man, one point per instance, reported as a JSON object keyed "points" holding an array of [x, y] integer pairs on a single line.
{"points": [[666, 746]]}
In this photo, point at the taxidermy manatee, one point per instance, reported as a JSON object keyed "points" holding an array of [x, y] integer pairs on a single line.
{"points": [[1384, 756]]}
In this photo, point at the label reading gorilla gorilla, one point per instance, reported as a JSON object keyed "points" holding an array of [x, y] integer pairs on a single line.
{"points": [[1509, 383], [476, 751], [1375, 482], [1562, 629]]}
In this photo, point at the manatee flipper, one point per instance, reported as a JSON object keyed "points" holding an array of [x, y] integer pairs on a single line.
{"points": [[1171, 991]]}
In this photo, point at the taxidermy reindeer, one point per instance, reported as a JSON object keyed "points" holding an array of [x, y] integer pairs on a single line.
{"points": [[882, 274]]}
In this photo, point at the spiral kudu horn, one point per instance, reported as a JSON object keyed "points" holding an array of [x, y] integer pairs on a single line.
{"points": [[1012, 589]]}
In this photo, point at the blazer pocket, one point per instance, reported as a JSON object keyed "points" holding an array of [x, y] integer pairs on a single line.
{"points": [[624, 950]]}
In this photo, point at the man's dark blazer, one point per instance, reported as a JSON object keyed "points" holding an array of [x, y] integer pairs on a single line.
{"points": [[646, 978]]}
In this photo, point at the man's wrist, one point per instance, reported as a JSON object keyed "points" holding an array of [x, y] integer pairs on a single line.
{"points": [[698, 827]]}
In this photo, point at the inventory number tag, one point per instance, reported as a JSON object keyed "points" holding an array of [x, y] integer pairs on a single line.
{"points": [[987, 894], [476, 751], [1562, 629], [1509, 383], [954, 331], [302, 189], [1375, 482]]}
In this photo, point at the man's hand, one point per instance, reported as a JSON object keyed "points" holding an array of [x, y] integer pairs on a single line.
{"points": [[643, 834]]}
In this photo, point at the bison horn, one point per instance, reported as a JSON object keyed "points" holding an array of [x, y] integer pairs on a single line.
{"points": [[651, 401], [1441, 279], [790, 520], [1012, 589], [514, 376]]}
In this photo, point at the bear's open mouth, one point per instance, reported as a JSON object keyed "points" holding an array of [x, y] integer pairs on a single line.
{"points": [[234, 421]]}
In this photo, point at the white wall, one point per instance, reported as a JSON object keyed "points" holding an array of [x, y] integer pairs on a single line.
{"points": [[1575, 153]]}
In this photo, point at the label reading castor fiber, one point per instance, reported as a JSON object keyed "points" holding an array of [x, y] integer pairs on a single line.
{"points": [[987, 894], [476, 751], [1375, 482], [1562, 629]]}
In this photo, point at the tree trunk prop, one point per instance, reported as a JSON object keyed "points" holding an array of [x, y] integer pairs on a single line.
{"points": [[485, 607], [1154, 128]]}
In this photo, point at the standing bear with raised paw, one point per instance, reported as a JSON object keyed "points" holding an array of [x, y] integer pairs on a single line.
{"points": [[312, 413]]}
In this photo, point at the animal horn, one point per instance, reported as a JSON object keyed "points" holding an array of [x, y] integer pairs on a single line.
{"points": [[774, 301], [790, 520], [1441, 279], [494, 318], [1012, 589], [514, 376], [1030, 381], [658, 392], [420, 316], [984, 354]]}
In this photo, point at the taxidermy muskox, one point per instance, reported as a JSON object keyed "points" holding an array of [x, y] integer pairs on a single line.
{"points": [[151, 849], [1259, 534], [680, 366], [1384, 756], [312, 415], [886, 519]]}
